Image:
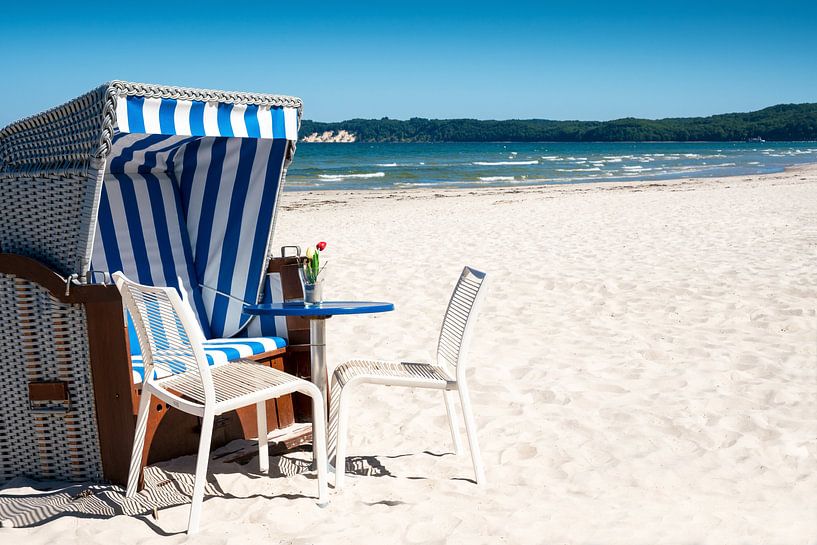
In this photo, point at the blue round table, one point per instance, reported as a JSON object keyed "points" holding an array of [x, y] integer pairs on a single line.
{"points": [[318, 310], [317, 314]]}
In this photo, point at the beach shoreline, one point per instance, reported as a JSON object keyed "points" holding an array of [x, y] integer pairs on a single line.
{"points": [[643, 372], [294, 199]]}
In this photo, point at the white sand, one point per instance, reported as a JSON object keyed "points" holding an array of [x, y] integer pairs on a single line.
{"points": [[644, 371]]}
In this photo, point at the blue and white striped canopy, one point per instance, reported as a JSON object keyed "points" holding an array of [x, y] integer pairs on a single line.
{"points": [[169, 116], [188, 200]]}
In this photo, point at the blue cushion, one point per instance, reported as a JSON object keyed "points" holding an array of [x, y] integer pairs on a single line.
{"points": [[218, 352], [135, 350]]}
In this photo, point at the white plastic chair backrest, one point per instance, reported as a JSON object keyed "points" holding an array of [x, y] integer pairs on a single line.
{"points": [[168, 332], [456, 329]]}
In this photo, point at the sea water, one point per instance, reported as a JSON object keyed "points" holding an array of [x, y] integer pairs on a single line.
{"points": [[498, 164]]}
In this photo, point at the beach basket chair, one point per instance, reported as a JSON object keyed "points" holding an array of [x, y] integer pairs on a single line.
{"points": [[178, 373], [175, 187], [447, 375]]}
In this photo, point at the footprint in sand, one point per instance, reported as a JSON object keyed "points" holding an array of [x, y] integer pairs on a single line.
{"points": [[518, 453], [653, 355], [544, 396], [435, 530], [598, 457], [682, 446], [782, 397], [610, 388], [547, 284], [728, 439]]}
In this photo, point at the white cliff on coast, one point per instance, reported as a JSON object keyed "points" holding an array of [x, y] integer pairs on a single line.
{"points": [[330, 136]]}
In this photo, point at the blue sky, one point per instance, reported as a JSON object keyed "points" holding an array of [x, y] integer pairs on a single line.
{"points": [[497, 60]]}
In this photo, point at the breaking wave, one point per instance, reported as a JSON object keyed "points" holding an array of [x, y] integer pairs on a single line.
{"points": [[503, 163], [338, 177], [496, 178]]}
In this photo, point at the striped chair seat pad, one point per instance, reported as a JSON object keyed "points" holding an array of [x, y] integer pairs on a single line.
{"points": [[218, 352]]}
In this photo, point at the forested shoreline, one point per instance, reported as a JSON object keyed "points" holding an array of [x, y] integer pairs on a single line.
{"points": [[776, 123]]}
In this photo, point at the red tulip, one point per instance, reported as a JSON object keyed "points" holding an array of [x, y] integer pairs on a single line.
{"points": [[320, 246]]}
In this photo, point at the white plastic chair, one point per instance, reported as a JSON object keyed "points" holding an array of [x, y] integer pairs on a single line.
{"points": [[171, 343], [448, 374]]}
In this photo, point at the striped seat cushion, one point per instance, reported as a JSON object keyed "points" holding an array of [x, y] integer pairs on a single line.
{"points": [[218, 352]]}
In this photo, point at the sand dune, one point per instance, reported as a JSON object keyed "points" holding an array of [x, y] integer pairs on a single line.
{"points": [[644, 371]]}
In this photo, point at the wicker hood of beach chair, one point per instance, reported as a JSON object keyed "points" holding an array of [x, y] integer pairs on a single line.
{"points": [[175, 187]]}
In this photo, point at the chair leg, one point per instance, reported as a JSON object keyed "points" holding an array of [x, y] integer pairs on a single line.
{"points": [[342, 436], [263, 450], [448, 396], [135, 470], [332, 430], [201, 471], [471, 431]]}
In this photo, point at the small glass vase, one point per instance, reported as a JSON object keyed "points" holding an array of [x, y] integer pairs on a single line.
{"points": [[313, 293]]}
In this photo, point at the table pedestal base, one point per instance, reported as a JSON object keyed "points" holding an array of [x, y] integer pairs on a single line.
{"points": [[317, 351]]}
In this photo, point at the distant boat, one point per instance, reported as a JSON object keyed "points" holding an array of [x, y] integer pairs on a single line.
{"points": [[755, 139]]}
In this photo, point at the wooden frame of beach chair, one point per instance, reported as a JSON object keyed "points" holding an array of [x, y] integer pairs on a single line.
{"points": [[66, 406]]}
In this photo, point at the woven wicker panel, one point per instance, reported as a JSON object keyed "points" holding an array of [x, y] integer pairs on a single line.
{"points": [[65, 137], [48, 217], [151, 90], [51, 168], [45, 340]]}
